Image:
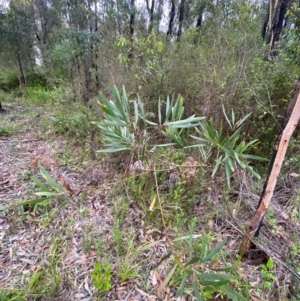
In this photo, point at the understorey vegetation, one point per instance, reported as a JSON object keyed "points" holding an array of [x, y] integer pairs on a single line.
{"points": [[135, 143]]}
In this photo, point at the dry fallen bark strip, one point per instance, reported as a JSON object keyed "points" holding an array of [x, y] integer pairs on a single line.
{"points": [[290, 123]]}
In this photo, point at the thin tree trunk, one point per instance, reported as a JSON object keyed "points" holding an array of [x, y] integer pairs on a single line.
{"points": [[96, 46], [172, 17], [22, 78], [280, 21], [132, 17], [131, 26], [199, 19], [289, 124], [181, 16], [151, 14]]}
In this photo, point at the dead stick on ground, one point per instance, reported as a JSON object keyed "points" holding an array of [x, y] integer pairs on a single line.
{"points": [[290, 122]]}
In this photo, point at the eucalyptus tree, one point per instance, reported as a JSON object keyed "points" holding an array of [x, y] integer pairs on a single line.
{"points": [[17, 36]]}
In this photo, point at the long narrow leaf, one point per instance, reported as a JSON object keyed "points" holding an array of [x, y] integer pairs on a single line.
{"points": [[227, 170], [218, 162], [45, 193], [234, 296], [33, 201], [226, 117], [159, 111], [113, 149], [248, 156], [213, 277], [197, 293], [240, 122], [39, 183], [187, 237], [50, 180], [167, 279], [215, 250], [181, 287], [117, 99]]}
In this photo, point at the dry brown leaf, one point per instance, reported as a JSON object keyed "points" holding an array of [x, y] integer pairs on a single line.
{"points": [[65, 184], [93, 252]]}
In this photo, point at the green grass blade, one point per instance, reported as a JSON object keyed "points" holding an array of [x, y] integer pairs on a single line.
{"points": [[33, 201]]}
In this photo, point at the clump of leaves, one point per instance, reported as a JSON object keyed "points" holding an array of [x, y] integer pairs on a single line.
{"points": [[126, 127], [101, 276], [230, 150]]}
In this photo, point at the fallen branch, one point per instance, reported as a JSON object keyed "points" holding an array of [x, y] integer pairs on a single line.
{"points": [[289, 124]]}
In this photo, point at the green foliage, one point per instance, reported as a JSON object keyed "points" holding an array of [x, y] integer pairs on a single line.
{"points": [[5, 295], [126, 130], [126, 126], [146, 61], [267, 276], [130, 263], [8, 80], [46, 191], [72, 121], [101, 276], [40, 94], [191, 272], [6, 129], [289, 43], [229, 150]]}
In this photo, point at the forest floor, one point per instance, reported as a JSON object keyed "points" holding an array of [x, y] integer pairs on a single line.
{"points": [[50, 250]]}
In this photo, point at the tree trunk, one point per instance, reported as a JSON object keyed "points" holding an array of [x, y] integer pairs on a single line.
{"points": [[199, 19], [96, 46], [289, 124], [172, 17], [132, 17], [275, 23], [131, 26], [181, 17], [151, 14], [22, 78]]}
